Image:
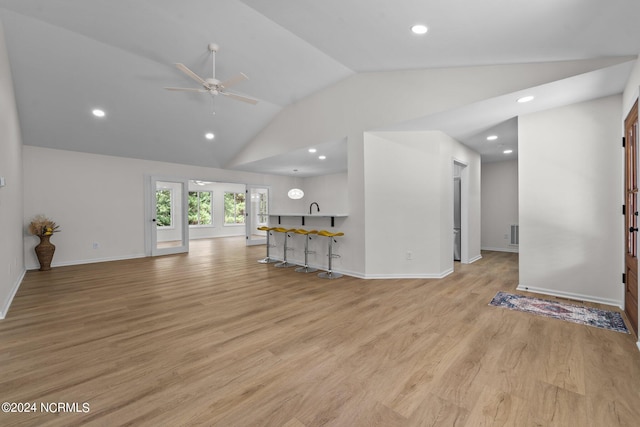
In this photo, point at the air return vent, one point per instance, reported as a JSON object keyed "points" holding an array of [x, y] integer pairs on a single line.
{"points": [[515, 235]]}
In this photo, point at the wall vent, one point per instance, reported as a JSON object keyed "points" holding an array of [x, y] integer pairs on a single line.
{"points": [[515, 235]]}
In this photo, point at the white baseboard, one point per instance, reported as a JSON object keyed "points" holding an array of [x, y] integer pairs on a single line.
{"points": [[570, 295], [361, 275], [5, 306], [401, 276], [474, 259], [88, 261], [638, 344], [512, 250], [217, 236]]}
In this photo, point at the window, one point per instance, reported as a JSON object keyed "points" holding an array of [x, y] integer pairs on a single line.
{"points": [[200, 208], [262, 207], [164, 211], [234, 206]]}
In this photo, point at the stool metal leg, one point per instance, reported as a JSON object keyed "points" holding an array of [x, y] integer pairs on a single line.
{"points": [[329, 274], [285, 263], [305, 268], [268, 259]]}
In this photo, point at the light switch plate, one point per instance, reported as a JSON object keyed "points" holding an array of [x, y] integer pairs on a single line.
{"points": [[2, 182]]}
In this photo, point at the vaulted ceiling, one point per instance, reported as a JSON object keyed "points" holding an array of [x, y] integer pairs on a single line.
{"points": [[70, 56]]}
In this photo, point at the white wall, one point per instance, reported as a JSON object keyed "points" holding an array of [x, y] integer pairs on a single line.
{"points": [[99, 198], [11, 195], [570, 181], [409, 203], [329, 191], [499, 204], [631, 91], [402, 204]]}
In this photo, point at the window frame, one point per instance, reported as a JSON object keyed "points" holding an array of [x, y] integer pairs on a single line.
{"points": [[212, 223], [235, 204]]}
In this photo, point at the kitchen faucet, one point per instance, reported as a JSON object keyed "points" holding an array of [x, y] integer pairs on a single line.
{"points": [[311, 206]]}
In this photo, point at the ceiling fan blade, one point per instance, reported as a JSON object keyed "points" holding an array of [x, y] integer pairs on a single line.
{"points": [[191, 74], [234, 80], [240, 98], [185, 89]]}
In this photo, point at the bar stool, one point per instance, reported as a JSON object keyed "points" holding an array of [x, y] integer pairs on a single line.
{"points": [[305, 268], [268, 259], [285, 263], [329, 274]]}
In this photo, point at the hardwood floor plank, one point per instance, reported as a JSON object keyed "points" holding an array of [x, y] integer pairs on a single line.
{"points": [[214, 338]]}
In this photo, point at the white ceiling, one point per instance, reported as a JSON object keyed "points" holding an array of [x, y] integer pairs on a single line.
{"points": [[68, 56]]}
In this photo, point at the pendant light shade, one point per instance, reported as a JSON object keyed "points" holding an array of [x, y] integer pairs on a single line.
{"points": [[295, 194]]}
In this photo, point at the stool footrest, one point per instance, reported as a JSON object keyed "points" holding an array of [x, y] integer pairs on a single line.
{"points": [[329, 275], [285, 264]]}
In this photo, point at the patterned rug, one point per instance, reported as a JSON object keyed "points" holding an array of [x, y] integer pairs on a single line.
{"points": [[558, 310]]}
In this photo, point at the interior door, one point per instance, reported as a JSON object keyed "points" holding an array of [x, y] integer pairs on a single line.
{"points": [[167, 220], [631, 217], [257, 211]]}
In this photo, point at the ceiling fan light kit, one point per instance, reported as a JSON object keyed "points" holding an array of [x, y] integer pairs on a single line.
{"points": [[212, 85]]}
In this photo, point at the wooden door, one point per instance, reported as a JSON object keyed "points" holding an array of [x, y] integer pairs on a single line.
{"points": [[631, 216]]}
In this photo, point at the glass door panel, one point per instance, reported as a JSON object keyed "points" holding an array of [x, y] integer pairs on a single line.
{"points": [[168, 210], [257, 214]]}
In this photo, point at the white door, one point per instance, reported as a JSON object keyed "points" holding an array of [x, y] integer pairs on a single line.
{"points": [[167, 222], [257, 211]]}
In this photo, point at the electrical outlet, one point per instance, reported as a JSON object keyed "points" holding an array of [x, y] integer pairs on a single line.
{"points": [[409, 255], [96, 245]]}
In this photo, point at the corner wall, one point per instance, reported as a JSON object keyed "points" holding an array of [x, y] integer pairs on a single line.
{"points": [[409, 203], [631, 91], [11, 229], [570, 188]]}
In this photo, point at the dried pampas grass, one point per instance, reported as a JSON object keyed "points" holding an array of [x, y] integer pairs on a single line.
{"points": [[42, 226]]}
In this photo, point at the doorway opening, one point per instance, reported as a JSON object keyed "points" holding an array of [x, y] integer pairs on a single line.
{"points": [[167, 229], [460, 212], [183, 210]]}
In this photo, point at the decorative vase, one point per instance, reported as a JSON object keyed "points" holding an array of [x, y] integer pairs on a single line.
{"points": [[44, 251]]}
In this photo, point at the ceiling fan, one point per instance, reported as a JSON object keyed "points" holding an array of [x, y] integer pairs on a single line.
{"points": [[212, 85]]}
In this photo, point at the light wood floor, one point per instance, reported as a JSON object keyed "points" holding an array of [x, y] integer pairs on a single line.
{"points": [[214, 338]]}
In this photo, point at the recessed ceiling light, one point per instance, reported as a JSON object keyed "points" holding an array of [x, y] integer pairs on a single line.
{"points": [[419, 29], [322, 157], [525, 99], [312, 150], [209, 136], [508, 151], [98, 112], [492, 137]]}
